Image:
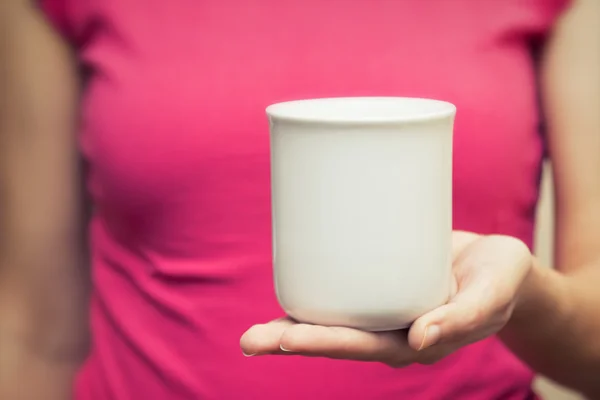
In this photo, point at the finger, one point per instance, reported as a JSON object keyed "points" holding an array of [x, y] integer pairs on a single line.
{"points": [[437, 326], [456, 329], [485, 298], [473, 314], [427, 330], [347, 343], [264, 338]]}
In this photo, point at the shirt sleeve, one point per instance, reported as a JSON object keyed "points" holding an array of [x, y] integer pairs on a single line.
{"points": [[550, 12], [56, 11]]}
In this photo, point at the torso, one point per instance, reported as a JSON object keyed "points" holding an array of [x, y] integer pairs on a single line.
{"points": [[175, 135]]}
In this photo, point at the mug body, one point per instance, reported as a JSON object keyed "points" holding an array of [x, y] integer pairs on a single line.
{"points": [[362, 209]]}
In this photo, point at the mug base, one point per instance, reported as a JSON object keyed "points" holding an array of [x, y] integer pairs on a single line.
{"points": [[368, 324]]}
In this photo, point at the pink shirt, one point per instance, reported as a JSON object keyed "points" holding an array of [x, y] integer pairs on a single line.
{"points": [[174, 131]]}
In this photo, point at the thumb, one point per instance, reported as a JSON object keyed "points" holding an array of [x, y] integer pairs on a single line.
{"points": [[461, 321], [490, 272], [431, 328]]}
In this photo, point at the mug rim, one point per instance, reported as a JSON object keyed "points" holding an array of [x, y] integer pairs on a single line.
{"points": [[361, 110]]}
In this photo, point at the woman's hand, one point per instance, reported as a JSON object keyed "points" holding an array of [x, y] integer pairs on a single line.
{"points": [[489, 272]]}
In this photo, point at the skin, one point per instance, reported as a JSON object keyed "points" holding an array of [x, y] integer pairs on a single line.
{"points": [[43, 262], [548, 317], [43, 274]]}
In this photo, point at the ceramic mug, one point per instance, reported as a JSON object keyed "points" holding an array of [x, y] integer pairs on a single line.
{"points": [[362, 209]]}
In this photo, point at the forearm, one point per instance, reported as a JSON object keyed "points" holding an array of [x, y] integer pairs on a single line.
{"points": [[43, 323], [43, 328], [23, 376], [556, 327], [28, 374], [43, 260], [44, 332]]}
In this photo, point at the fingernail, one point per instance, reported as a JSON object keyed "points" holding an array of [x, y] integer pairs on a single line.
{"points": [[248, 355], [431, 336], [283, 348]]}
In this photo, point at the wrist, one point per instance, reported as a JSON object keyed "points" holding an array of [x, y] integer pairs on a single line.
{"points": [[544, 292]]}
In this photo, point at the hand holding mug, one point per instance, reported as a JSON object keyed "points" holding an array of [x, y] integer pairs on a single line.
{"points": [[488, 271]]}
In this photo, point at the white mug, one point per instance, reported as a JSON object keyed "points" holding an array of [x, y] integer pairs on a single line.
{"points": [[362, 209]]}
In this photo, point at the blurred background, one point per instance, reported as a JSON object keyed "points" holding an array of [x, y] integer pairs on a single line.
{"points": [[543, 249]]}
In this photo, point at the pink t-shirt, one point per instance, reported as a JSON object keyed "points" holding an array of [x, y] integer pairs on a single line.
{"points": [[174, 131]]}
